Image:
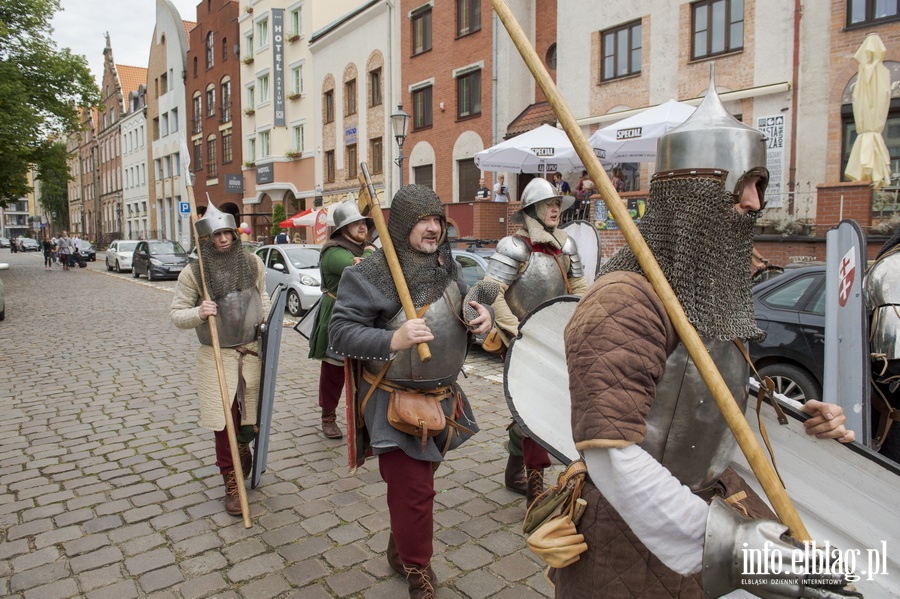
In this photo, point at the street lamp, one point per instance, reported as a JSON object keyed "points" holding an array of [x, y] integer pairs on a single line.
{"points": [[399, 123]]}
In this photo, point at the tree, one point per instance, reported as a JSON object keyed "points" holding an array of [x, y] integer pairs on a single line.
{"points": [[278, 215], [41, 90], [53, 173]]}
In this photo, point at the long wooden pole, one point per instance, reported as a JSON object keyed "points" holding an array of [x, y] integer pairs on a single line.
{"points": [[368, 204], [217, 352], [748, 443]]}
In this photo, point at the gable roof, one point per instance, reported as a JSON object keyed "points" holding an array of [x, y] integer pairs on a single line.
{"points": [[130, 78]]}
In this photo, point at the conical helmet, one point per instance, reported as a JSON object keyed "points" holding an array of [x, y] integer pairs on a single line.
{"points": [[538, 190], [347, 213], [712, 138], [214, 220]]}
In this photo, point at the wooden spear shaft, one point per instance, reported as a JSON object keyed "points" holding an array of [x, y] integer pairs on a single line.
{"points": [[748, 443], [220, 366]]}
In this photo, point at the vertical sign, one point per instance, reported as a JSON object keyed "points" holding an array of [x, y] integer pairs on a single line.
{"points": [[278, 66], [773, 128], [320, 230]]}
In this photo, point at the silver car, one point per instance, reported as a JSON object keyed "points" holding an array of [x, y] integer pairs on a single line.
{"points": [[297, 267], [119, 255]]}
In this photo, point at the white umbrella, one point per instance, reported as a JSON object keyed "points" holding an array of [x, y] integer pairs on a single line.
{"points": [[869, 159], [542, 150], [308, 218], [634, 139]]}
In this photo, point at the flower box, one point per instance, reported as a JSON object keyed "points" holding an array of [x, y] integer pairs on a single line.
{"points": [[293, 155], [294, 96], [250, 112], [248, 60], [293, 38]]}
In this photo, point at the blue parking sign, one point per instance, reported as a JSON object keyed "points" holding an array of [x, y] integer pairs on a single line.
{"points": [[184, 207]]}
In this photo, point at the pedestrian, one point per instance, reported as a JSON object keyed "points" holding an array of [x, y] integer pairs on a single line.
{"points": [[483, 193], [561, 185], [47, 247], [282, 237], [538, 262], [13, 245], [348, 245], [501, 191], [656, 446], [618, 179], [64, 247], [368, 325], [236, 283]]}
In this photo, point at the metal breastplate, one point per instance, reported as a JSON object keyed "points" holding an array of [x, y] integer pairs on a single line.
{"points": [[448, 349], [238, 315], [686, 432], [541, 280], [882, 293]]}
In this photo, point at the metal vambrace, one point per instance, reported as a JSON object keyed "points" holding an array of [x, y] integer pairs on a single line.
{"points": [[570, 249], [759, 557], [482, 292]]}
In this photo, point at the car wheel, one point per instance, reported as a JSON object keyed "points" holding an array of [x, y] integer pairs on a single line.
{"points": [[3, 314], [108, 267], [792, 381], [293, 303], [135, 273], [150, 276], [118, 266]]}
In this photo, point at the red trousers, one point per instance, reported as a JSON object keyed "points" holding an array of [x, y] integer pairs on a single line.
{"points": [[245, 434], [536, 457], [331, 383], [410, 499]]}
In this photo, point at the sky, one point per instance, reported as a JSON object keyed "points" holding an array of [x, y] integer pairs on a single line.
{"points": [[81, 25]]}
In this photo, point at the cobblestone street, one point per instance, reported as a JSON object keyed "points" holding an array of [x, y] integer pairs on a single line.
{"points": [[108, 488]]}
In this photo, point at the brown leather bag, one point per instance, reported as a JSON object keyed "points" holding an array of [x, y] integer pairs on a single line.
{"points": [[493, 342], [416, 414]]}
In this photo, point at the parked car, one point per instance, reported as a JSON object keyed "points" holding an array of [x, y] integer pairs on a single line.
{"points": [[4, 242], [86, 250], [791, 309], [158, 259], [297, 267], [27, 244], [472, 264], [3, 266], [119, 255]]}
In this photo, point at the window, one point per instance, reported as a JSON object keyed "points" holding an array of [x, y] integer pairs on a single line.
{"points": [[421, 32], [328, 101], [297, 138], [376, 155], [468, 94], [422, 108], [329, 166], [296, 20], [350, 97], [263, 84], [226, 147], [173, 120], [250, 46], [210, 50], [224, 49], [212, 167], [210, 101], [251, 97], [865, 12], [468, 17], [251, 150], [375, 87], [351, 161], [197, 113], [297, 80], [718, 27], [550, 58], [198, 154], [164, 124], [195, 67], [620, 53], [164, 83], [262, 33], [891, 136], [263, 143], [225, 110], [469, 174]]}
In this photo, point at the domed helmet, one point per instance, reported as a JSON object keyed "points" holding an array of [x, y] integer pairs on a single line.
{"points": [[712, 138], [347, 213], [538, 190], [215, 220]]}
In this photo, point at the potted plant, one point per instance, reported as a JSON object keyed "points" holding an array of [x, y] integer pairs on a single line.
{"points": [[788, 225], [293, 38], [249, 164], [292, 154], [249, 10], [250, 111], [294, 96], [248, 60]]}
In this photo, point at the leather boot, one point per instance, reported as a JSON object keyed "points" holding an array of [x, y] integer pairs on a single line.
{"points": [[329, 427], [515, 474], [393, 557], [232, 499], [535, 485], [246, 458], [422, 582]]}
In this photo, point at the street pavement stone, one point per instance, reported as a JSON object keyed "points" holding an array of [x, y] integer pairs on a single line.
{"points": [[109, 490]]}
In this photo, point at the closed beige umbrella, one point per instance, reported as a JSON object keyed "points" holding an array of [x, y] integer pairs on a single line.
{"points": [[869, 158]]}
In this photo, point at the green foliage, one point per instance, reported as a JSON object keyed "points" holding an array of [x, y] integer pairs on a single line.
{"points": [[53, 175], [41, 90], [278, 215]]}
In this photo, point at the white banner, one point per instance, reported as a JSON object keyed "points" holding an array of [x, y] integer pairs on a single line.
{"points": [[773, 128]]}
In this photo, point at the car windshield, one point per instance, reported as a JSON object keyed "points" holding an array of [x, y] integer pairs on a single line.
{"points": [[127, 246], [166, 247], [84, 244], [303, 257]]}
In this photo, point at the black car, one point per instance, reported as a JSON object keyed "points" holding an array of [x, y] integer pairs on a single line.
{"points": [[86, 250], [791, 309], [158, 259]]}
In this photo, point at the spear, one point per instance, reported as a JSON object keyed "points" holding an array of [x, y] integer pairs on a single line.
{"points": [[779, 499]]}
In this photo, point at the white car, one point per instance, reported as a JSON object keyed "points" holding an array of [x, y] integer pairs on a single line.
{"points": [[297, 267], [119, 255]]}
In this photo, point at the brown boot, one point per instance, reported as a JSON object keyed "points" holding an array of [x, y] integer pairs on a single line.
{"points": [[393, 557], [515, 474], [329, 427], [246, 458], [232, 500], [535, 485], [422, 582]]}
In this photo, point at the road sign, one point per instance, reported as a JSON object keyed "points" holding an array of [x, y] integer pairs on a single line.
{"points": [[184, 207]]}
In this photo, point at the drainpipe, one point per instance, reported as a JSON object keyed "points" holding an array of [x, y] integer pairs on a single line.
{"points": [[795, 76], [389, 181], [494, 135]]}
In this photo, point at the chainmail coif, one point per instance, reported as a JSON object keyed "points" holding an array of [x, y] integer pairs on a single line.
{"points": [[703, 246], [427, 275], [225, 271]]}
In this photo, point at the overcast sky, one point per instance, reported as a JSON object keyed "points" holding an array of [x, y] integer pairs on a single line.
{"points": [[82, 23]]}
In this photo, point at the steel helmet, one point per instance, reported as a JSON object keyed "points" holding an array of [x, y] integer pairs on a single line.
{"points": [[215, 220], [347, 213], [538, 190]]}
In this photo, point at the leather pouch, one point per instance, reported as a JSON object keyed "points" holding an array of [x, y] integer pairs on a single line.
{"points": [[416, 414], [493, 342], [552, 517]]}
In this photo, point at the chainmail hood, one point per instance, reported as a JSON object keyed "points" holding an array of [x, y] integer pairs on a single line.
{"points": [[703, 246], [427, 275], [225, 271]]}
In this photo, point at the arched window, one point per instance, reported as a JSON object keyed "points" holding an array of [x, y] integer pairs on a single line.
{"points": [[210, 50]]}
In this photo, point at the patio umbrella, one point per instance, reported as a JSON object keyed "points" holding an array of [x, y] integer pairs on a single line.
{"points": [[542, 150], [634, 139], [869, 158], [288, 223], [308, 218]]}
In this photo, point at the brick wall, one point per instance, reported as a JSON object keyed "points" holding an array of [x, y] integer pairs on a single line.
{"points": [[854, 197]]}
